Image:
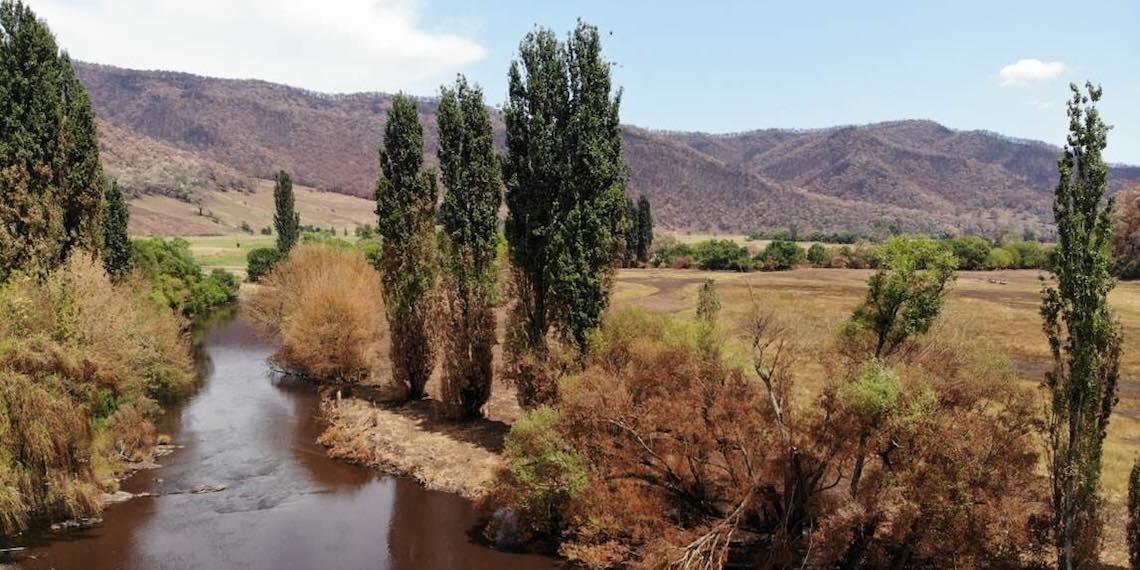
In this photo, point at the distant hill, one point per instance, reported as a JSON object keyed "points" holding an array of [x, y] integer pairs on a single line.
{"points": [[181, 135]]}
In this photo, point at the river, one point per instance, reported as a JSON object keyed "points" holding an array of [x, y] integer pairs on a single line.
{"points": [[283, 503]]}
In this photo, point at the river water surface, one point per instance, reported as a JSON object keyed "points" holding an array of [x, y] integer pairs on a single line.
{"points": [[284, 504]]}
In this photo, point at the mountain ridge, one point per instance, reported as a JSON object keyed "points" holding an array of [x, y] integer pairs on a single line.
{"points": [[911, 175]]}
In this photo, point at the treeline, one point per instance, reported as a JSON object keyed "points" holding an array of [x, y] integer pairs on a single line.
{"points": [[569, 226], [92, 333], [973, 253]]}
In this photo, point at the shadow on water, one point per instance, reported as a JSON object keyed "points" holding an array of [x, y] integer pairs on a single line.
{"points": [[283, 503]]}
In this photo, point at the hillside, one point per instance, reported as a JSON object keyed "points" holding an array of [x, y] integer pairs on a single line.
{"points": [[184, 136]]}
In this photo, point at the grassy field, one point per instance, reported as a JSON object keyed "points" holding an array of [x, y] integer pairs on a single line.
{"points": [[228, 251], [223, 212]]}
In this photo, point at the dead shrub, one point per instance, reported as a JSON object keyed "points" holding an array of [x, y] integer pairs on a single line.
{"points": [[326, 306]]}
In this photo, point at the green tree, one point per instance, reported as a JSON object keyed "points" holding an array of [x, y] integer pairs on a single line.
{"points": [[116, 243], [565, 186], [971, 252], [905, 296], [405, 204], [469, 215], [644, 228], [286, 220], [632, 233], [51, 180], [708, 302], [80, 173], [817, 255], [781, 255], [1083, 336]]}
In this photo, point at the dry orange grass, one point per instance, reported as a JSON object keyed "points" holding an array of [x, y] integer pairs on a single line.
{"points": [[326, 305]]}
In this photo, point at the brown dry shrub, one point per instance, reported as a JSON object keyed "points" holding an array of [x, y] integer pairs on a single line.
{"points": [[326, 305], [133, 435], [74, 347], [695, 462]]}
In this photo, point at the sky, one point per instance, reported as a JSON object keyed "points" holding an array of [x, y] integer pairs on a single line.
{"points": [[713, 66]]}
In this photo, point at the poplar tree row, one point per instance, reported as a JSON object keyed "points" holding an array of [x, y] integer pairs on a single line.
{"points": [[564, 179]]}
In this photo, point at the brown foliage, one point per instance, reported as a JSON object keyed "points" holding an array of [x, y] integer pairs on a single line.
{"points": [[325, 304], [696, 463]]}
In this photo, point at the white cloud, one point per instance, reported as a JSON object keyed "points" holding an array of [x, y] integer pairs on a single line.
{"points": [[335, 46], [1026, 71]]}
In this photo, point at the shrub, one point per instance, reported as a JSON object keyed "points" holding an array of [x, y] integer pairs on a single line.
{"points": [[76, 348], [326, 306], [176, 277], [818, 256], [542, 476], [1001, 258], [260, 261], [1029, 254], [719, 254], [971, 252], [780, 255]]}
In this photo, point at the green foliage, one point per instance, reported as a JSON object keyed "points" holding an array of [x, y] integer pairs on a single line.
{"points": [[717, 254], [116, 243], [405, 204], [246, 228], [1126, 239], [817, 255], [874, 393], [708, 302], [176, 277], [1083, 336], [780, 255], [50, 175], [1001, 258], [971, 252], [286, 220], [905, 296], [543, 475], [565, 183], [260, 261], [469, 215], [644, 228]]}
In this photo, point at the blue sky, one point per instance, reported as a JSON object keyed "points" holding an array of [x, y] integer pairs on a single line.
{"points": [[718, 66]]}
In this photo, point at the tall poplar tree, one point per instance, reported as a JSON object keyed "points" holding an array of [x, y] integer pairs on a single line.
{"points": [[644, 228], [405, 204], [565, 189], [1083, 336], [286, 219], [116, 243], [51, 180], [469, 215]]}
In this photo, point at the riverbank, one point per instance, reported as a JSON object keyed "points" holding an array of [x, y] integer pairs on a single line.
{"points": [[418, 441]]}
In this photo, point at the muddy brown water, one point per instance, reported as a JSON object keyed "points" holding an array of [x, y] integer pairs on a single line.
{"points": [[284, 505]]}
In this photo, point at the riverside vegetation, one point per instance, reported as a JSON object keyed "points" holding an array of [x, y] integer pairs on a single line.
{"points": [[93, 335], [654, 441], [648, 440]]}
